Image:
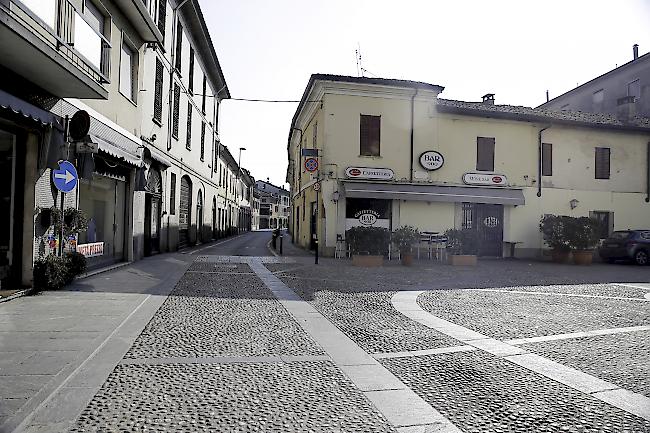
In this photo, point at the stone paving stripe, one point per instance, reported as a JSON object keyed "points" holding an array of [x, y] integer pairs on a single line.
{"points": [[420, 429], [496, 347], [634, 403], [426, 352], [627, 400], [371, 378], [573, 295], [402, 407], [572, 335]]}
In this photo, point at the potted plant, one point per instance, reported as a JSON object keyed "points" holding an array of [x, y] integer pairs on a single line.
{"points": [[554, 230], [404, 238], [582, 236], [368, 245], [463, 246]]}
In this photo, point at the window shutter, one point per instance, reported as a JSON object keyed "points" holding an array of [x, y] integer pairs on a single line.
{"points": [[177, 109], [202, 140], [162, 15], [485, 153], [369, 135], [172, 195], [190, 87], [179, 47], [205, 86], [188, 142], [547, 159], [158, 92], [602, 162]]}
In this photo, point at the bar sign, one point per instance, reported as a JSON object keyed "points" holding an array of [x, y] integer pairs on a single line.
{"points": [[308, 152]]}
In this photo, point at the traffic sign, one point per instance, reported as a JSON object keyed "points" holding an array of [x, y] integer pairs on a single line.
{"points": [[317, 186], [65, 178], [311, 164]]}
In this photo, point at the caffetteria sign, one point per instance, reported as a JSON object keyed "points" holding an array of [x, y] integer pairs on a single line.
{"points": [[485, 179], [431, 160], [369, 173], [367, 217]]}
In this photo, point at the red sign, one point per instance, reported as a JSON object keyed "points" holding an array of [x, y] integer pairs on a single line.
{"points": [[355, 172], [497, 179], [311, 164], [91, 250]]}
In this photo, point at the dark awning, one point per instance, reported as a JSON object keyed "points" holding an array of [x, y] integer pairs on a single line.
{"points": [[436, 193], [24, 108]]}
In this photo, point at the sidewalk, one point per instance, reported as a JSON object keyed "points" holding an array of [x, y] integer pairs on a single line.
{"points": [[62, 345]]}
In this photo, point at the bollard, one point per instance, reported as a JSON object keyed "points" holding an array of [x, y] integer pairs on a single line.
{"points": [[280, 244], [316, 257]]}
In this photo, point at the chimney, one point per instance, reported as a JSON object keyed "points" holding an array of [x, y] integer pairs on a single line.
{"points": [[547, 99], [626, 109], [635, 50], [488, 98]]}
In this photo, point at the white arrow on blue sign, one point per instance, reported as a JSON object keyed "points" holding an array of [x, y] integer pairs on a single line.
{"points": [[65, 178]]}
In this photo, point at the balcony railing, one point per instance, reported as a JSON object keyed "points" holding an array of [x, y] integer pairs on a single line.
{"points": [[59, 34]]}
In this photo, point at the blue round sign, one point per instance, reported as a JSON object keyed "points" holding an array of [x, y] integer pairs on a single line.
{"points": [[65, 178]]}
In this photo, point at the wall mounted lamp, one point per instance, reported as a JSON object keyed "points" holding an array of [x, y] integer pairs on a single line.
{"points": [[335, 196], [573, 203]]}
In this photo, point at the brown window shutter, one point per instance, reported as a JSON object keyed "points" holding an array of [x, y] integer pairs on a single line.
{"points": [[179, 48], [364, 135], [369, 135], [547, 159], [162, 15], [602, 162], [190, 87], [158, 92], [375, 131], [202, 141], [188, 142], [485, 153], [177, 108]]}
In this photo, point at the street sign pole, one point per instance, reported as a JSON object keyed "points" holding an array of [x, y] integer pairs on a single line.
{"points": [[317, 215], [66, 137]]}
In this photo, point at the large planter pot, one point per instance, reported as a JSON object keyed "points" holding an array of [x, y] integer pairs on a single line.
{"points": [[407, 259], [560, 256], [367, 261], [583, 257], [462, 260]]}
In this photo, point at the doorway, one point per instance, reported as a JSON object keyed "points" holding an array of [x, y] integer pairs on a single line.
{"points": [[487, 220], [313, 225], [152, 204], [184, 212], [199, 217]]}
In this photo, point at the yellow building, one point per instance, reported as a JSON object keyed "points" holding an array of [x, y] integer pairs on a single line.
{"points": [[392, 153]]}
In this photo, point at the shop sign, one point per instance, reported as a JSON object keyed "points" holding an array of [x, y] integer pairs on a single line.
{"points": [[485, 179], [432, 160], [369, 173], [91, 250], [367, 217]]}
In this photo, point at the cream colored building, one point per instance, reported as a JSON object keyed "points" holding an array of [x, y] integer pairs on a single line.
{"points": [[392, 153]]}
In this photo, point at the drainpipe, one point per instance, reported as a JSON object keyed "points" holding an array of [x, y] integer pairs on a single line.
{"points": [[539, 160], [412, 128], [647, 198]]}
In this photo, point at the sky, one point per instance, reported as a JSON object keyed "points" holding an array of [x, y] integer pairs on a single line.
{"points": [[515, 49]]}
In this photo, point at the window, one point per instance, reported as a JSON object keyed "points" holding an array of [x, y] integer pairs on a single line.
{"points": [[190, 87], [602, 162], [188, 142], [128, 75], [179, 47], [634, 89], [45, 10], [177, 109], [205, 85], [369, 132], [158, 93], [202, 141], [172, 195], [485, 153], [605, 220], [547, 159], [598, 98]]}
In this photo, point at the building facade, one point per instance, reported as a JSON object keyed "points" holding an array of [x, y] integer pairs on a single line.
{"points": [[392, 153], [153, 175], [608, 93], [275, 209]]}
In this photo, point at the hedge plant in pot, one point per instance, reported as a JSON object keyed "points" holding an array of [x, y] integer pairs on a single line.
{"points": [[404, 238], [583, 236], [463, 246], [554, 230], [368, 245]]}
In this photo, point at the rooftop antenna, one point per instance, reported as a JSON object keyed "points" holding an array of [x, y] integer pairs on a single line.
{"points": [[357, 54]]}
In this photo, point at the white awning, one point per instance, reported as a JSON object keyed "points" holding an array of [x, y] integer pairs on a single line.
{"points": [[113, 150], [435, 193]]}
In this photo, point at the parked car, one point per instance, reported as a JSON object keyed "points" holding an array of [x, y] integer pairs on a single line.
{"points": [[627, 245]]}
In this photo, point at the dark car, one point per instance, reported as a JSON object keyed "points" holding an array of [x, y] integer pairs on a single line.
{"points": [[627, 245]]}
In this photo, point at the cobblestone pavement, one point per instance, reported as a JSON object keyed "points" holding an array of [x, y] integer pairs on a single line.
{"points": [[623, 359], [482, 393]]}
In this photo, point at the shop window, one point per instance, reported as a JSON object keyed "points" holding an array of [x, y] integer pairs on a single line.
{"points": [[158, 93], [369, 135], [128, 70], [177, 109], [190, 87], [188, 141], [602, 157], [485, 153], [172, 195], [547, 159], [179, 48]]}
